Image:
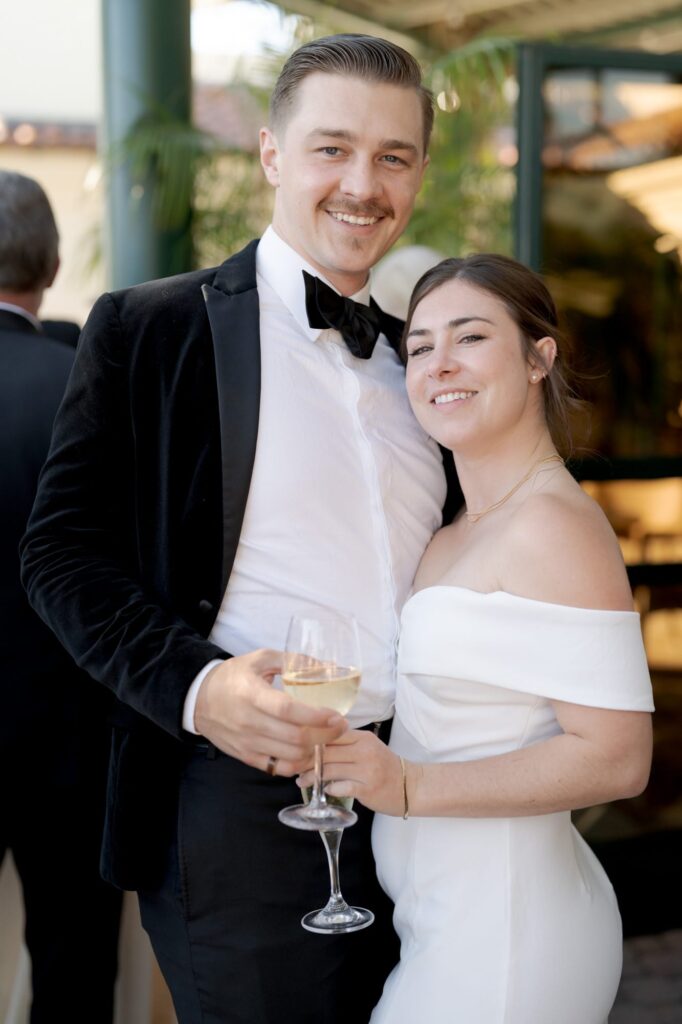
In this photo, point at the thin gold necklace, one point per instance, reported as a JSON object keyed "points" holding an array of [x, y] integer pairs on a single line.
{"points": [[473, 517]]}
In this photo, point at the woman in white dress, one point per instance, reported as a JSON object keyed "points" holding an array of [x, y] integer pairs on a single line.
{"points": [[523, 690]]}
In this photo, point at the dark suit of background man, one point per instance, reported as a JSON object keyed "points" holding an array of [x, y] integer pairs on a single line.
{"points": [[219, 464], [53, 732]]}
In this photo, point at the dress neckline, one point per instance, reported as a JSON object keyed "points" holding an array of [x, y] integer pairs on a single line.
{"points": [[508, 596]]}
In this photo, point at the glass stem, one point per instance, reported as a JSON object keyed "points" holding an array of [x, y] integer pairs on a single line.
{"points": [[332, 841], [318, 798]]}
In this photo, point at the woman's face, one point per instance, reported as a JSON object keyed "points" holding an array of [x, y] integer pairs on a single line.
{"points": [[468, 379]]}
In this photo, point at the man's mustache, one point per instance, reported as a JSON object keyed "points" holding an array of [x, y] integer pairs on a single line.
{"points": [[368, 209]]}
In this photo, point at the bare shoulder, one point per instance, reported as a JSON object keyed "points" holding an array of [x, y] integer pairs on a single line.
{"points": [[560, 548], [439, 553]]}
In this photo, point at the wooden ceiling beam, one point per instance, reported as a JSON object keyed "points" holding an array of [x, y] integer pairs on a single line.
{"points": [[555, 16], [427, 26], [342, 19], [457, 18]]}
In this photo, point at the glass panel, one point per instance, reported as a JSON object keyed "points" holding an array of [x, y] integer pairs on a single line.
{"points": [[611, 245], [612, 248], [646, 516]]}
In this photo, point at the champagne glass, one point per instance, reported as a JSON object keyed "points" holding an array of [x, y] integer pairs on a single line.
{"points": [[322, 669]]}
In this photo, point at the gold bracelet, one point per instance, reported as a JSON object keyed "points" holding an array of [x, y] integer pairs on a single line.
{"points": [[406, 806]]}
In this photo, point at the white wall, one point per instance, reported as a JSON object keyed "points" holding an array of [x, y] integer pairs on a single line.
{"points": [[50, 60]]}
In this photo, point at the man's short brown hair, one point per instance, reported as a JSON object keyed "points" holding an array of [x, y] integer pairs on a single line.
{"points": [[356, 56]]}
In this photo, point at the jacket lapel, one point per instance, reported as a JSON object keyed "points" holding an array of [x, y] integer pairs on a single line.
{"points": [[233, 313]]}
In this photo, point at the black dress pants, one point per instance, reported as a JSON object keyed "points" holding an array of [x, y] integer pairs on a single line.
{"points": [[225, 924], [51, 811]]}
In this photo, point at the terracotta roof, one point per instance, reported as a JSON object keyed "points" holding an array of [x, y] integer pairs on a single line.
{"points": [[231, 114], [39, 134]]}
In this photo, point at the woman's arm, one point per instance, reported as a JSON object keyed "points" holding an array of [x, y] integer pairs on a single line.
{"points": [[600, 756], [559, 550]]}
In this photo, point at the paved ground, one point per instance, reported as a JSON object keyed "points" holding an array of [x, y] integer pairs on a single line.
{"points": [[651, 988]]}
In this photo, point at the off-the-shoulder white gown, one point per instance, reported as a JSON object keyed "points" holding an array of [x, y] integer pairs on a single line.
{"points": [[501, 920]]}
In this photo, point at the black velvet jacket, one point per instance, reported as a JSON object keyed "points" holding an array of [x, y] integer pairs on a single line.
{"points": [[137, 520]]}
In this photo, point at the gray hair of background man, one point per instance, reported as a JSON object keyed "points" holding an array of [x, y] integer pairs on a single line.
{"points": [[356, 56], [29, 241]]}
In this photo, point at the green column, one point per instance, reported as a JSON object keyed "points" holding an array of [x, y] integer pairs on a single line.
{"points": [[530, 130], [147, 66]]}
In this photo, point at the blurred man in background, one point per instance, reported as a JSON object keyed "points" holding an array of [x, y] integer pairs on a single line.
{"points": [[53, 733]]}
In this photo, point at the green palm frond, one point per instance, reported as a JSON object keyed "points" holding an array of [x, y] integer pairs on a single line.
{"points": [[466, 202], [167, 152], [481, 61]]}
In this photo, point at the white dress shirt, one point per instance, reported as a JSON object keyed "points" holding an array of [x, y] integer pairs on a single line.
{"points": [[347, 489]]}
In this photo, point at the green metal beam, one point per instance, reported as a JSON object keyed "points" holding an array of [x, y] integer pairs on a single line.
{"points": [[147, 66], [529, 114]]}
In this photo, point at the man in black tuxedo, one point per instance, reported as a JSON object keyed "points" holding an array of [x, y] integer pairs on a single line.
{"points": [[53, 730], [236, 446]]}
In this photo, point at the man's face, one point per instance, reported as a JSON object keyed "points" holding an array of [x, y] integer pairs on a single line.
{"points": [[347, 164]]}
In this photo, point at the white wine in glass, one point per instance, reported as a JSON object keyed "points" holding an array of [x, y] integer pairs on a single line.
{"points": [[322, 669], [324, 686]]}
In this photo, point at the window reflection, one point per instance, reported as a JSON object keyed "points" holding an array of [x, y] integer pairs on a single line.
{"points": [[612, 248], [647, 518]]}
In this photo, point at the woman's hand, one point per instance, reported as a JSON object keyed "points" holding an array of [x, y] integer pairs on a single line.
{"points": [[358, 764]]}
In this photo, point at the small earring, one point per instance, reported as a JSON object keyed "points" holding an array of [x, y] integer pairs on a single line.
{"points": [[534, 378]]}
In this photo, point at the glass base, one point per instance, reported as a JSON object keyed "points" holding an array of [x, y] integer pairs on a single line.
{"points": [[317, 819], [337, 920]]}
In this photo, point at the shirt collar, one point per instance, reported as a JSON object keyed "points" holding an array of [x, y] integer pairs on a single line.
{"points": [[9, 307], [281, 267]]}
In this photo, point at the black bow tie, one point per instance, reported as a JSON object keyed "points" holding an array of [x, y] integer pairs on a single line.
{"points": [[360, 326]]}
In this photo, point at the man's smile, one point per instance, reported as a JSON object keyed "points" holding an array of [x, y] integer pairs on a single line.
{"points": [[349, 218]]}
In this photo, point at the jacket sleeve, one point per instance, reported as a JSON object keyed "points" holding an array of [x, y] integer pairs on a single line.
{"points": [[79, 563]]}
